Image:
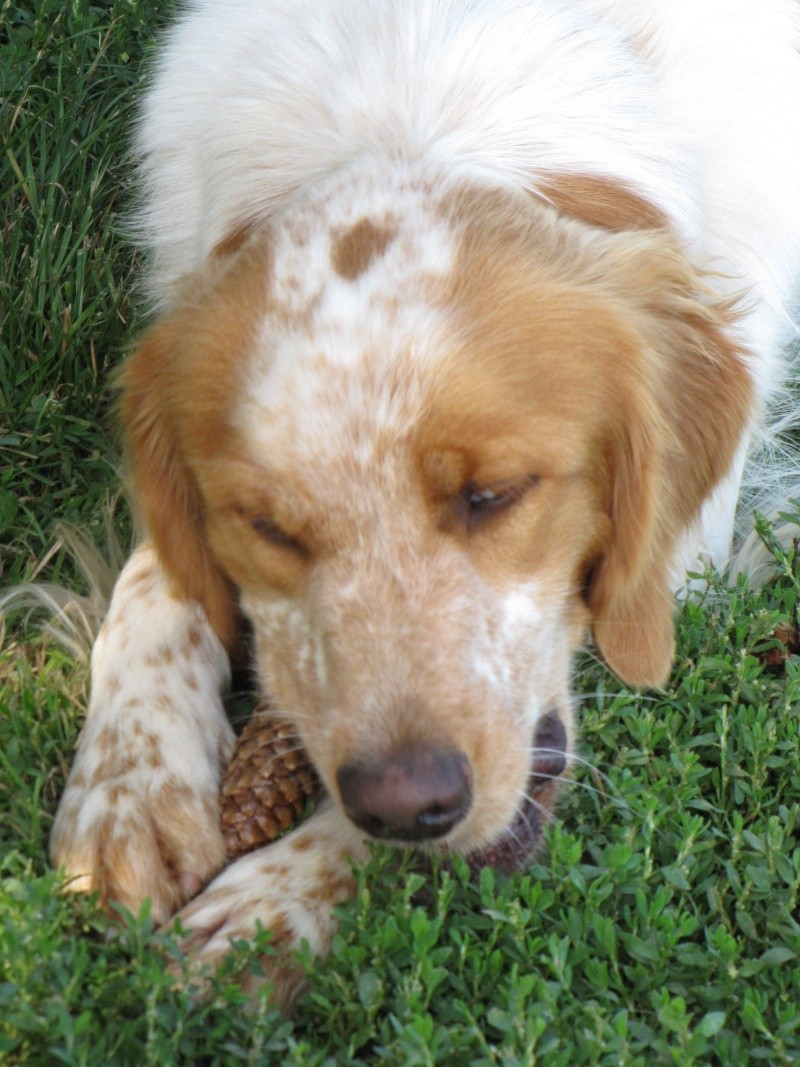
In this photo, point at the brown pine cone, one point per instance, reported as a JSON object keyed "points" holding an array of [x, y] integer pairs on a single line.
{"points": [[266, 786]]}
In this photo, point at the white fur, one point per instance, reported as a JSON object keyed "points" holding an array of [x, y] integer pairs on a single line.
{"points": [[296, 110], [693, 104], [256, 102]]}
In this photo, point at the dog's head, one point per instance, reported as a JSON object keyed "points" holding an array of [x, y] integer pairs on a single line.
{"points": [[429, 443]]}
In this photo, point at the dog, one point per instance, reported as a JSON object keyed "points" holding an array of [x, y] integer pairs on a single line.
{"points": [[466, 313]]}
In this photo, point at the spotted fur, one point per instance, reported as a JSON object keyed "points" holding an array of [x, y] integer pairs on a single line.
{"points": [[467, 312]]}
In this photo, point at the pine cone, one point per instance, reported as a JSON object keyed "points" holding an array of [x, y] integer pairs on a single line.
{"points": [[266, 786]]}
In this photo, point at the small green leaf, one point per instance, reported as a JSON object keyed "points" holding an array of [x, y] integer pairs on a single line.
{"points": [[774, 957], [711, 1023]]}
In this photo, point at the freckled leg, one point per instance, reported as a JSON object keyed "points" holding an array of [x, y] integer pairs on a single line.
{"points": [[291, 886], [140, 813]]}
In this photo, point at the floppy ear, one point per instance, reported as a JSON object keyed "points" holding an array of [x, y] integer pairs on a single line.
{"points": [[629, 594], [671, 392], [178, 390], [164, 486], [687, 413]]}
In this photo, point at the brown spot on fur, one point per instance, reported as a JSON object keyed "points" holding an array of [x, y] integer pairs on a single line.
{"points": [[355, 250], [281, 928], [332, 887], [606, 203], [301, 843], [117, 790], [112, 685], [190, 681], [233, 240], [107, 741], [110, 769], [162, 657], [153, 755]]}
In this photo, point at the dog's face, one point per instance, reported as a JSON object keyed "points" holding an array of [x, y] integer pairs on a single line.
{"points": [[431, 445]]}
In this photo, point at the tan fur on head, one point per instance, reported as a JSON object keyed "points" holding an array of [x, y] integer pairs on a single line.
{"points": [[677, 445], [176, 396], [573, 367], [642, 352]]}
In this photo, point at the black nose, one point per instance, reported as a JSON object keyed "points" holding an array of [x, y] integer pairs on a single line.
{"points": [[550, 747], [414, 794]]}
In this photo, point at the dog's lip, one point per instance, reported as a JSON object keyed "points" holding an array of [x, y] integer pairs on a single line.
{"points": [[515, 847]]}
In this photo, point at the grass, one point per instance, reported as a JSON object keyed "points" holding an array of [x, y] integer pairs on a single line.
{"points": [[661, 924], [68, 79]]}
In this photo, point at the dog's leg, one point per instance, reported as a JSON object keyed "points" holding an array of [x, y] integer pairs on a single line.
{"points": [[140, 814], [290, 886]]}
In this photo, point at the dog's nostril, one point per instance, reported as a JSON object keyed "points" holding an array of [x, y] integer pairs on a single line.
{"points": [[550, 746], [414, 794]]}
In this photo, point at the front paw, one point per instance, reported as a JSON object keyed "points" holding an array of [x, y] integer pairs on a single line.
{"points": [[129, 838], [290, 887]]}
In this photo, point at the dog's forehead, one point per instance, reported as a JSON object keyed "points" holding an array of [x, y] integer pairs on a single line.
{"points": [[355, 326], [346, 249]]}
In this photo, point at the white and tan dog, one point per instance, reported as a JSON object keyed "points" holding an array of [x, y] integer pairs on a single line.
{"points": [[467, 311]]}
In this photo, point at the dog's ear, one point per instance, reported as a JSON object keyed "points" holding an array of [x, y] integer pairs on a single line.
{"points": [[178, 391], [687, 414], [629, 593], [665, 391], [165, 488]]}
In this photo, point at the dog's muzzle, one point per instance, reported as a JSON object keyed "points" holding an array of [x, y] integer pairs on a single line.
{"points": [[416, 793], [516, 846]]}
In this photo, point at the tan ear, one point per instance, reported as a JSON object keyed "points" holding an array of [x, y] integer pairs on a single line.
{"points": [[178, 391], [687, 413], [628, 596], [164, 485]]}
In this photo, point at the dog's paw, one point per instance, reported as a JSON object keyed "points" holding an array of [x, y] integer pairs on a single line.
{"points": [[140, 814], [290, 887], [129, 839]]}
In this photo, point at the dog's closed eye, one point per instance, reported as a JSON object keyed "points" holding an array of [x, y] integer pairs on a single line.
{"points": [[476, 505], [278, 537]]}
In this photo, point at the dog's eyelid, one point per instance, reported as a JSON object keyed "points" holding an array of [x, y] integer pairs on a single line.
{"points": [[481, 502], [276, 536]]}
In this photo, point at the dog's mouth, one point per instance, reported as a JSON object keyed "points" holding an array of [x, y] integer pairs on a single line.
{"points": [[417, 796], [517, 845]]}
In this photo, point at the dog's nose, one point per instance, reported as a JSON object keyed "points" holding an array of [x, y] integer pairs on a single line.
{"points": [[414, 794], [549, 747]]}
